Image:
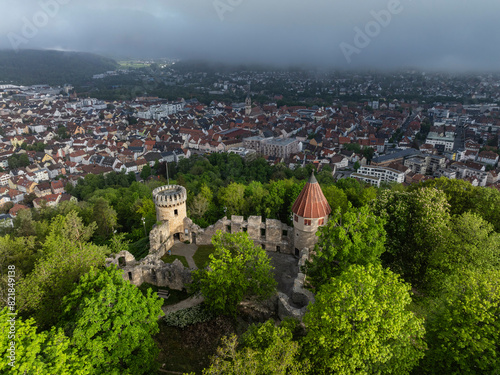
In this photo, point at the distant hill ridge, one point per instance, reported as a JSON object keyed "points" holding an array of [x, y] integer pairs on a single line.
{"points": [[30, 67]]}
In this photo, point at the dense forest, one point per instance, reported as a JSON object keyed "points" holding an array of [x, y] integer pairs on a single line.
{"points": [[406, 279], [31, 67]]}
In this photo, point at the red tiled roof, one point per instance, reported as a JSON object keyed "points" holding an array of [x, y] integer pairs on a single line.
{"points": [[311, 202]]}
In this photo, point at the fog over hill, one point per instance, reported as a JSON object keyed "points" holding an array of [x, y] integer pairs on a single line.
{"points": [[27, 67], [451, 35]]}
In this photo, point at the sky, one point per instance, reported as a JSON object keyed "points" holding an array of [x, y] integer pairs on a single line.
{"points": [[449, 35]]}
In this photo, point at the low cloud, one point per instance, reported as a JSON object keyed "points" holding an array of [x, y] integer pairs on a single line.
{"points": [[456, 35]]}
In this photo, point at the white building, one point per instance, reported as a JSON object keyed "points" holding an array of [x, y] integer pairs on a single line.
{"points": [[157, 112], [375, 175], [447, 141]]}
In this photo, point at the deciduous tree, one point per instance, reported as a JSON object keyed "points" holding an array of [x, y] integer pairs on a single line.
{"points": [[264, 349], [237, 269], [110, 321], [473, 245], [463, 332], [355, 237], [67, 256], [359, 324], [417, 223], [37, 353]]}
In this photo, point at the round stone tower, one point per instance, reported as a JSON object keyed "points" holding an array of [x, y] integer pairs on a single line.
{"points": [[310, 211], [170, 202]]}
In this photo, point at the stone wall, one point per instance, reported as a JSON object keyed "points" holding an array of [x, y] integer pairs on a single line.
{"points": [[151, 270], [160, 239], [272, 235], [304, 239]]}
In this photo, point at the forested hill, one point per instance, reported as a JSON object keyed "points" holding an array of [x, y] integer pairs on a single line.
{"points": [[30, 67]]}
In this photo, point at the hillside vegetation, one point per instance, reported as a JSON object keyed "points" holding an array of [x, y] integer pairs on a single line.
{"points": [[30, 67]]}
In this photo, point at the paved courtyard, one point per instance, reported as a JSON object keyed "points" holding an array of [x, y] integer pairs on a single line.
{"points": [[285, 270], [185, 250]]}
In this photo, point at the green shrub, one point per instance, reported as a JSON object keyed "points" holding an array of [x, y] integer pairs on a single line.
{"points": [[189, 316]]}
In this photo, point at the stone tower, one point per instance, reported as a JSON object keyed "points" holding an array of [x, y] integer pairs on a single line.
{"points": [[248, 106], [170, 202], [310, 211]]}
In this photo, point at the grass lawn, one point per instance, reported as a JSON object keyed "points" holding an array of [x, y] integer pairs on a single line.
{"points": [[175, 295], [170, 259], [201, 256]]}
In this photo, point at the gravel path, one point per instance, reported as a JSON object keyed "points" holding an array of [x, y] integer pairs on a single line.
{"points": [[189, 302]]}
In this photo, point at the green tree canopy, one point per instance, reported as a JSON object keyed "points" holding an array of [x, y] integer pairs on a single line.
{"points": [[463, 331], [355, 237], [67, 256], [110, 321], [336, 197], [417, 223], [359, 324], [232, 199], [263, 349], [146, 172], [237, 269], [37, 353], [473, 245]]}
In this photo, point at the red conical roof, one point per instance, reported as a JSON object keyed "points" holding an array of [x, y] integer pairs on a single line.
{"points": [[311, 202]]}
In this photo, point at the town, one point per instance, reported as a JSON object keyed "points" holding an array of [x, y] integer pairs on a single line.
{"points": [[51, 137]]}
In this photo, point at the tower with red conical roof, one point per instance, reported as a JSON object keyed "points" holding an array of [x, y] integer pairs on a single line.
{"points": [[310, 211]]}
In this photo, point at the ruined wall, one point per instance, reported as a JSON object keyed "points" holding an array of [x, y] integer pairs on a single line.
{"points": [[151, 270], [272, 235], [160, 239]]}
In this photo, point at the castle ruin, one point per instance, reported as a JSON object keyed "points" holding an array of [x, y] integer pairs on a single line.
{"points": [[310, 212]]}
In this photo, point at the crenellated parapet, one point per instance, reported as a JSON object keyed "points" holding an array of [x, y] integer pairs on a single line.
{"points": [[169, 195]]}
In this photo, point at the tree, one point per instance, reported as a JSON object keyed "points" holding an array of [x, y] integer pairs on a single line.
{"points": [[237, 269], [353, 190], [263, 349], [232, 198], [37, 353], [336, 197], [356, 237], [19, 252], [356, 165], [29, 198], [118, 243], [473, 245], [359, 324], [255, 195], [463, 332], [146, 172], [110, 321], [417, 223], [5, 208], [131, 177], [105, 217], [486, 202], [156, 167], [62, 132], [459, 193], [198, 206], [18, 160], [66, 257]]}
